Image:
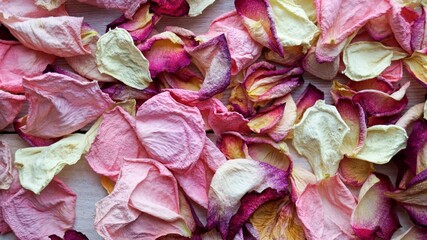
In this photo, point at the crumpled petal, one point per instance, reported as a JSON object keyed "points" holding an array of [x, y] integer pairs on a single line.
{"points": [[232, 146], [365, 60], [325, 209], [70, 235], [375, 215], [339, 19], [10, 106], [393, 73], [27, 8], [17, 61], [197, 6], [285, 125], [117, 56], [379, 28], [33, 216], [382, 143], [165, 52], [128, 7], [413, 233], [6, 166], [354, 117], [291, 57], [232, 181], [37, 166], [264, 122], [144, 204], [213, 59], [308, 98], [243, 49], [401, 19], [121, 92], [140, 26], [50, 4], [416, 66], [354, 172], [171, 132], [60, 105], [174, 8], [116, 139], [325, 70], [276, 219], [257, 16], [240, 102], [319, 137], [33, 141], [380, 104], [60, 36], [264, 82], [412, 199]]}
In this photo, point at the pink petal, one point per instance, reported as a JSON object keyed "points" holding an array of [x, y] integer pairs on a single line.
{"points": [[375, 215], [184, 78], [32, 216], [10, 106], [116, 139], [60, 36], [325, 209], [393, 73], [265, 121], [171, 132], [121, 92], [255, 12], [25, 8], [144, 204], [379, 28], [17, 61], [372, 84], [165, 52], [415, 233], [354, 172], [401, 18], [308, 98], [418, 38], [240, 101], [212, 59], [128, 7], [339, 19], [60, 105], [174, 8], [243, 49], [286, 123], [32, 140], [325, 70], [232, 146]]}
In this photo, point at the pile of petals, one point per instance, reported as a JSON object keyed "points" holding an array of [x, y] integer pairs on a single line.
{"points": [[204, 136]]}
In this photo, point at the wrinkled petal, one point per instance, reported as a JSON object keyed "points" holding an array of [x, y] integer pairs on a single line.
{"points": [[30, 139], [339, 19], [60, 36], [416, 66], [375, 215], [17, 61], [264, 82], [258, 18], [60, 105], [380, 104], [116, 139], [382, 143], [325, 70], [412, 199], [165, 52], [415, 153], [285, 125], [121, 92], [276, 219], [213, 59], [10, 106], [379, 28], [117, 56], [354, 117], [393, 73], [232, 181], [136, 208], [266, 121], [308, 98], [232, 146], [34, 216], [413, 114], [240, 101], [197, 6], [50, 4], [128, 7], [325, 209], [6, 166], [27, 8], [354, 172], [38, 165], [267, 153], [141, 24], [319, 136], [401, 18], [174, 8], [243, 49], [365, 60], [171, 132], [291, 56]]}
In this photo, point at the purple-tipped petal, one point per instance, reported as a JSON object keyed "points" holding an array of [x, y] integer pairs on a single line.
{"points": [[264, 122], [32, 140], [416, 147], [174, 8]]}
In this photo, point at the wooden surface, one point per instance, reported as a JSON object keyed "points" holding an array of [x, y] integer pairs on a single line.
{"points": [[84, 182]]}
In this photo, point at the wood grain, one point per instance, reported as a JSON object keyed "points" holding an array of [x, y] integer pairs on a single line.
{"points": [[85, 183]]}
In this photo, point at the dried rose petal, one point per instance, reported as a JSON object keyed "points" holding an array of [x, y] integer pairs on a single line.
{"points": [[60, 105], [232, 146], [165, 52], [10, 106], [213, 59], [308, 98], [121, 92], [6, 166], [197, 6], [240, 102], [413, 233], [174, 8], [325, 209], [319, 136], [393, 73], [339, 90], [413, 114], [50, 4], [375, 215], [171, 132], [292, 56], [116, 139], [285, 125], [415, 153], [264, 122], [225, 194], [127, 7], [243, 49], [300, 179], [416, 66], [70, 235], [32, 216], [354, 172], [277, 156], [379, 28], [401, 18], [25, 8], [144, 204], [325, 71]]}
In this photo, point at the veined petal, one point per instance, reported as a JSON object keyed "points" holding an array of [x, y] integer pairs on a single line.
{"points": [[319, 136], [10, 107], [308, 98], [232, 146], [354, 172], [264, 122], [300, 179], [285, 125], [393, 73], [325, 70], [176, 8]]}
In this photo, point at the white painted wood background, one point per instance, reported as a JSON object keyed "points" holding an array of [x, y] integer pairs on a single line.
{"points": [[80, 177]]}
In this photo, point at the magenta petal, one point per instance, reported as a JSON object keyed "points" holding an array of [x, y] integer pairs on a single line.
{"points": [[393, 73], [127, 7], [32, 140], [121, 92], [214, 60], [10, 106], [418, 38], [174, 8], [308, 98], [70, 235], [401, 18], [417, 142]]}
